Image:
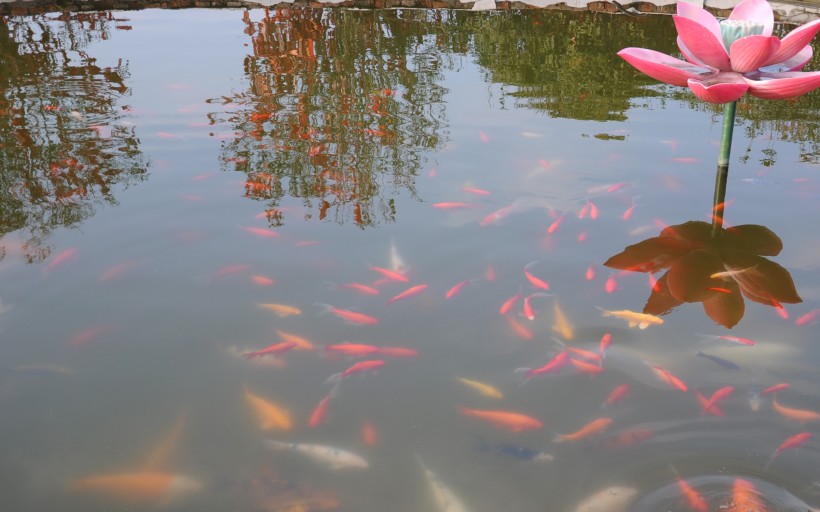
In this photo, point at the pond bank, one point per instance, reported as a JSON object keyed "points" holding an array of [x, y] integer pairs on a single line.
{"points": [[789, 12]]}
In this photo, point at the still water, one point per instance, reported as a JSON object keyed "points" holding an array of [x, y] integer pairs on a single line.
{"points": [[433, 194]]}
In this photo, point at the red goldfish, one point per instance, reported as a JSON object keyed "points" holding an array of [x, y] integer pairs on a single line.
{"points": [[271, 350], [360, 367], [351, 317], [592, 428], [410, 292], [512, 421]]}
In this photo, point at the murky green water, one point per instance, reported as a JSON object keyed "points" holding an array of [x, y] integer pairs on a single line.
{"points": [[165, 173]]}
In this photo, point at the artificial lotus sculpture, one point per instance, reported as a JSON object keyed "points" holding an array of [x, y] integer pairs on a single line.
{"points": [[726, 59], [716, 271]]}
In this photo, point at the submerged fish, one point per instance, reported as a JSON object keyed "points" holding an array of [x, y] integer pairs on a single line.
{"points": [[512, 421], [281, 309], [611, 499], [513, 450], [142, 487], [270, 415], [445, 500], [725, 363], [333, 458], [634, 319], [484, 389]]}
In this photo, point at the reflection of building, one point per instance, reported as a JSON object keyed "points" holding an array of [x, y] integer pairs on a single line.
{"points": [[341, 109], [64, 147]]}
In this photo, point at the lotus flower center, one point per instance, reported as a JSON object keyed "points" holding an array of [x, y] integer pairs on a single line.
{"points": [[732, 30]]}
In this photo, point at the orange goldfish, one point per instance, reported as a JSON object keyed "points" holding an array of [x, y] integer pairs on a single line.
{"points": [[801, 415], [275, 349], [535, 281], [617, 394], [391, 274], [410, 292], [512, 421], [585, 367], [628, 438], [509, 303], [640, 320], [351, 317], [301, 343], [398, 352], [262, 280], [721, 394], [370, 435], [745, 498], [520, 330], [707, 408], [281, 310], [361, 288], [270, 415], [693, 498], [592, 428], [63, 257], [261, 232], [317, 417], [666, 376], [352, 349], [360, 367], [140, 487]]}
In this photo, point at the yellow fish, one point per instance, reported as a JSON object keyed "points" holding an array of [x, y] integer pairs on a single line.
{"points": [[301, 343], [484, 389], [281, 309], [160, 457], [640, 320], [271, 416], [143, 487], [562, 325]]}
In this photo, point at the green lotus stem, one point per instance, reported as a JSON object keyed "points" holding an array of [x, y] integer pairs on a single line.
{"points": [[722, 174]]}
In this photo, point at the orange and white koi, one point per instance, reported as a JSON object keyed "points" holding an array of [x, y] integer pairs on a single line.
{"points": [[351, 317], [616, 395], [511, 421], [592, 428], [634, 319], [667, 377], [391, 274], [410, 292], [281, 310], [271, 350], [801, 415], [362, 366]]}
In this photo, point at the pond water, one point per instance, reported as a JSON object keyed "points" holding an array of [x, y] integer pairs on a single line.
{"points": [[433, 192]]}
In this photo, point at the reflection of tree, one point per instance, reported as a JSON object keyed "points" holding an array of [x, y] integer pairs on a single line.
{"points": [[715, 270], [341, 104], [63, 146], [565, 63]]}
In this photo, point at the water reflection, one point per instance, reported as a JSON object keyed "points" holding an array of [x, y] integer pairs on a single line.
{"points": [[340, 106], [717, 271], [66, 140]]}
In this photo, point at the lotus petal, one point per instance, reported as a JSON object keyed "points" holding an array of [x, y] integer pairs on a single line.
{"points": [[663, 67], [721, 88], [750, 52], [795, 63], [660, 301], [689, 278], [779, 86], [701, 16], [702, 43], [764, 280], [795, 41], [649, 255], [758, 11], [751, 238], [697, 233], [725, 309]]}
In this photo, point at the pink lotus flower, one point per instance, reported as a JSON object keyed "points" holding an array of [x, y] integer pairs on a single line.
{"points": [[726, 59]]}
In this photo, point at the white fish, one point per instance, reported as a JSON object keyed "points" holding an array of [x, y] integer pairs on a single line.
{"points": [[446, 501], [611, 499], [333, 458], [397, 264]]}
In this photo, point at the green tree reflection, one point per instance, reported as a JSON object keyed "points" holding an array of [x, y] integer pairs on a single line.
{"points": [[64, 140], [340, 106]]}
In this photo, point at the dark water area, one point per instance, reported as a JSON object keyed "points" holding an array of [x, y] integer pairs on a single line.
{"points": [[302, 260]]}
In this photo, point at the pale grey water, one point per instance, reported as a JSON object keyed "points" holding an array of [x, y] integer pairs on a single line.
{"points": [[160, 277]]}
